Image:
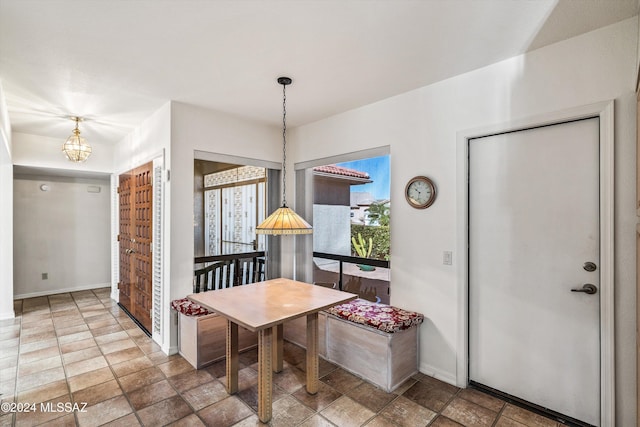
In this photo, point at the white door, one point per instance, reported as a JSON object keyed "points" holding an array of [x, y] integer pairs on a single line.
{"points": [[533, 224]]}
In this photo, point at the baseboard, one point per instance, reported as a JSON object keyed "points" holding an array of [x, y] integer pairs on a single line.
{"points": [[7, 315], [171, 350], [447, 377], [115, 294], [62, 291]]}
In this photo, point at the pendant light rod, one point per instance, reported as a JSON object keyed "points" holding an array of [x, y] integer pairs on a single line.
{"points": [[284, 81], [284, 220]]}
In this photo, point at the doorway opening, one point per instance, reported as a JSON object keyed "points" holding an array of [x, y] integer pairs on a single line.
{"points": [[229, 202], [231, 197]]}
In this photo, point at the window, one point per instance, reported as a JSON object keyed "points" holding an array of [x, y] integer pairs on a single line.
{"points": [[351, 238], [234, 204], [231, 195]]}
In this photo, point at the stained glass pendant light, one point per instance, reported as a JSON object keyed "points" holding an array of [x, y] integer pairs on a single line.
{"points": [[76, 147], [284, 220]]}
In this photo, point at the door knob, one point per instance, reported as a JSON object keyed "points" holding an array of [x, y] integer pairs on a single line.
{"points": [[587, 288]]}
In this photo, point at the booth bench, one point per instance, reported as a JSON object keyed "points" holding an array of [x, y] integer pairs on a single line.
{"points": [[202, 334], [376, 342]]}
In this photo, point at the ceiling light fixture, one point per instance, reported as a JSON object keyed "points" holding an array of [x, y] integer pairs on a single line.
{"points": [[284, 220], [76, 148]]}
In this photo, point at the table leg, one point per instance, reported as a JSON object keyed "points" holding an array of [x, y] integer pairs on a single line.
{"points": [[278, 346], [264, 374], [232, 357], [312, 353]]}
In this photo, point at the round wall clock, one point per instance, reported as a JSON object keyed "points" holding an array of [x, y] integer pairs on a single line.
{"points": [[420, 192]]}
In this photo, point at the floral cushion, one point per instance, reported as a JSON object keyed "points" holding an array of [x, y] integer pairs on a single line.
{"points": [[379, 316], [188, 307]]}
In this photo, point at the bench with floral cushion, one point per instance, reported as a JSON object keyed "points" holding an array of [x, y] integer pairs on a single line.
{"points": [[202, 334], [377, 342], [188, 307], [385, 318]]}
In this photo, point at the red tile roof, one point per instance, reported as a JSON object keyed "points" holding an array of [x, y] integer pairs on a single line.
{"points": [[337, 170]]}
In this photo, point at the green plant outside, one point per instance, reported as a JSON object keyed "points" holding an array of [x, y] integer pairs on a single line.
{"points": [[362, 247], [379, 213], [380, 238]]}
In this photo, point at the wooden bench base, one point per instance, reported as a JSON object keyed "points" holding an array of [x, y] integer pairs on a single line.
{"points": [[202, 339], [384, 359], [295, 331]]}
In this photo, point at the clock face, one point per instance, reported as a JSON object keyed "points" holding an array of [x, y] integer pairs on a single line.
{"points": [[420, 192]]}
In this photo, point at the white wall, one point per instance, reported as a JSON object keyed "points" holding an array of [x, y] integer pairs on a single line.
{"points": [[6, 213], [150, 140], [64, 232], [421, 126]]}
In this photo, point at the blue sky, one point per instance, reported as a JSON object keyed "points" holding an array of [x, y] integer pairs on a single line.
{"points": [[378, 170]]}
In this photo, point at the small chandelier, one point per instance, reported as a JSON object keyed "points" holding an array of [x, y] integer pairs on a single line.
{"points": [[76, 148], [284, 220]]}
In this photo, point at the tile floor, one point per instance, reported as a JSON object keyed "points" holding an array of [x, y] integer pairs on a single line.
{"points": [[81, 348]]}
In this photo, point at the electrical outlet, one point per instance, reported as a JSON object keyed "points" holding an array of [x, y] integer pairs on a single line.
{"points": [[447, 257], [45, 276]]}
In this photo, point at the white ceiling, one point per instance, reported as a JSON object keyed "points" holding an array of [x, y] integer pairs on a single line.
{"points": [[116, 62]]}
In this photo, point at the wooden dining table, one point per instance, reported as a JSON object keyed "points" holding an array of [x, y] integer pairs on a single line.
{"points": [[264, 307]]}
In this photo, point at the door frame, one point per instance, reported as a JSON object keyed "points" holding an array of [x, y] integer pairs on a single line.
{"points": [[605, 112]]}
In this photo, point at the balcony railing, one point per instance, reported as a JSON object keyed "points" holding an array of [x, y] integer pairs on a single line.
{"points": [[352, 275], [349, 273], [228, 257], [222, 271]]}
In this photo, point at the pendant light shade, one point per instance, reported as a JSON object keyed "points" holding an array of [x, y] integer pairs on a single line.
{"points": [[76, 147], [284, 220]]}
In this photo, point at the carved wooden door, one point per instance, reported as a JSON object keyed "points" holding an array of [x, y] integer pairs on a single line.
{"points": [[143, 196], [136, 289], [125, 236]]}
